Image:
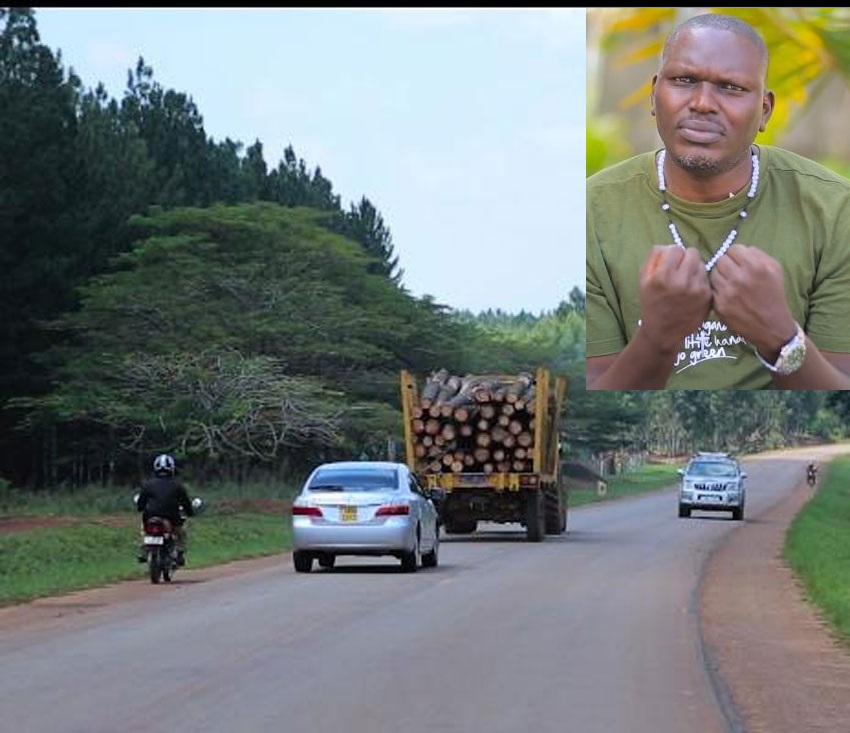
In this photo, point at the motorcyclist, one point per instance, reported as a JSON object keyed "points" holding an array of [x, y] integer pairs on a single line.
{"points": [[812, 473], [163, 495]]}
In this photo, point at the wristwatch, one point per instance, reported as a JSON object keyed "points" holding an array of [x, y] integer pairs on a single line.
{"points": [[790, 356]]}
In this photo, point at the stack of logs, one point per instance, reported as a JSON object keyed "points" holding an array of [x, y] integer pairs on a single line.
{"points": [[474, 424]]}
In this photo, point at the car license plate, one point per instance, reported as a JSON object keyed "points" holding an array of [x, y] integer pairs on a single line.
{"points": [[149, 540], [709, 497], [348, 513]]}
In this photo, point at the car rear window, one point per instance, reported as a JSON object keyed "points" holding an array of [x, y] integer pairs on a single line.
{"points": [[712, 468], [335, 479]]}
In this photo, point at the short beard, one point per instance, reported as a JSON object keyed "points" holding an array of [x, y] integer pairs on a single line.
{"points": [[703, 167]]}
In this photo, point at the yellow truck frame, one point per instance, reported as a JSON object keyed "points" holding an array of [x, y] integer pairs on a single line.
{"points": [[536, 499]]}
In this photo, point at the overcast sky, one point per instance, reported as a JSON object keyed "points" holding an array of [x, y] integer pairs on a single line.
{"points": [[464, 128]]}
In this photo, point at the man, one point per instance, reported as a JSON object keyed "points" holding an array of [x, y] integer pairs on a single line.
{"points": [[164, 496], [715, 263]]}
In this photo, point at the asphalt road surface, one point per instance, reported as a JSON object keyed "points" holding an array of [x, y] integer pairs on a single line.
{"points": [[594, 631]]}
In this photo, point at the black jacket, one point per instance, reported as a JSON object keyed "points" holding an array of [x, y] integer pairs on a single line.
{"points": [[164, 496]]}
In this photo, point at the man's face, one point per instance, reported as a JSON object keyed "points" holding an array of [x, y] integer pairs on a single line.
{"points": [[709, 99]]}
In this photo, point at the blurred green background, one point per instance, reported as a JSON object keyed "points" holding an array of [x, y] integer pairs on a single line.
{"points": [[809, 72]]}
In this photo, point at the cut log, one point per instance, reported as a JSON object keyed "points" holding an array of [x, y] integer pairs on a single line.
{"points": [[515, 427], [448, 390], [519, 387], [525, 439], [432, 387], [483, 439], [498, 434], [482, 455], [464, 413]]}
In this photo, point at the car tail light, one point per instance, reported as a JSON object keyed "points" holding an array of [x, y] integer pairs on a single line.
{"points": [[393, 510], [306, 511], [154, 528]]}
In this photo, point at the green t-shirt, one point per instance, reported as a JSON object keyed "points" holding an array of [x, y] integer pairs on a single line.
{"points": [[800, 216]]}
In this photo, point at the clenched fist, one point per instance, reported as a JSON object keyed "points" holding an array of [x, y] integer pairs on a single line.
{"points": [[749, 297], [675, 294]]}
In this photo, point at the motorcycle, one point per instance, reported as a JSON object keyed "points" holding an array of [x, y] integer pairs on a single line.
{"points": [[160, 545], [812, 477], [160, 549]]}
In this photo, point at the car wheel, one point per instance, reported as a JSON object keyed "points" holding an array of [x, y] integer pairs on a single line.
{"points": [[430, 559], [684, 511], [738, 513], [303, 561], [410, 561]]}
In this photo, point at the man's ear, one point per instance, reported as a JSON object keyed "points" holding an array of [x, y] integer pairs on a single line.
{"points": [[652, 96]]}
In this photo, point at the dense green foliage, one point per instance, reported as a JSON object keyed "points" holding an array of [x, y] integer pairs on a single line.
{"points": [[163, 290]]}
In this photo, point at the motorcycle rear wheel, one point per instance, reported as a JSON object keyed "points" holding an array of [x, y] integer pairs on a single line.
{"points": [[155, 565]]}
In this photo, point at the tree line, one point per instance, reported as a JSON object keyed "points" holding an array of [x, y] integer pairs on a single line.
{"points": [[166, 291]]}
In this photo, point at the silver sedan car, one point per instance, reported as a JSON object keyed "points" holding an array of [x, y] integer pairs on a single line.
{"points": [[365, 508]]}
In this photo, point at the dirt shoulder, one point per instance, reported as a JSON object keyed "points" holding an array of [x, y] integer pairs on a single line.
{"points": [[775, 663]]}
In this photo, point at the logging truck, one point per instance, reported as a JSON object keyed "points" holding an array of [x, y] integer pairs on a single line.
{"points": [[491, 443]]}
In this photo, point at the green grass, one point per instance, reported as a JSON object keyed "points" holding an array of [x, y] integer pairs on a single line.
{"points": [[45, 562], [650, 477], [52, 561], [817, 548]]}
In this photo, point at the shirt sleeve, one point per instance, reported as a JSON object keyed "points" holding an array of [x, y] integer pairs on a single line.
{"points": [[829, 304], [605, 333]]}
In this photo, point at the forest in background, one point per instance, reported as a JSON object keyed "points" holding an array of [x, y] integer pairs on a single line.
{"points": [[166, 291]]}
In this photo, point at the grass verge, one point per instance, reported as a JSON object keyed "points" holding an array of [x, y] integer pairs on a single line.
{"points": [[47, 561], [818, 551], [647, 478]]}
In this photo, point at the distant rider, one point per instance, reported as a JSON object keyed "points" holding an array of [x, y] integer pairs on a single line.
{"points": [[812, 473], [164, 496]]}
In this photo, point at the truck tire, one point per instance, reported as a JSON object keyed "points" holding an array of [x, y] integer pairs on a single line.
{"points": [[535, 516], [556, 513]]}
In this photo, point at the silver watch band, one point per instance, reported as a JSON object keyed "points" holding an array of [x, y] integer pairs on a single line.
{"points": [[791, 355]]}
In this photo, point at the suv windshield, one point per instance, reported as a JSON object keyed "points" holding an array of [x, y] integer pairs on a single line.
{"points": [[353, 480], [712, 469]]}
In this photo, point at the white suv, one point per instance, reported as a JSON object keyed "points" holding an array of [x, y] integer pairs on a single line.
{"points": [[712, 482]]}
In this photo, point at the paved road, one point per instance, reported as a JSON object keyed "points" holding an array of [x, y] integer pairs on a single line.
{"points": [[595, 631]]}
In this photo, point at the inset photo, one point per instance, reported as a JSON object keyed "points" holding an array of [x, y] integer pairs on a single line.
{"points": [[718, 199]]}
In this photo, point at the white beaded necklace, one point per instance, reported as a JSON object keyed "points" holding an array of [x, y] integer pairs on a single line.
{"points": [[665, 207]]}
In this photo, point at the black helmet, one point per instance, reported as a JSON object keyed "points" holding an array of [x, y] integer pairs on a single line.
{"points": [[163, 465]]}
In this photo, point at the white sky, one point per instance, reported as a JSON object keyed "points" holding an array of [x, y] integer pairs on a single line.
{"points": [[465, 128]]}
